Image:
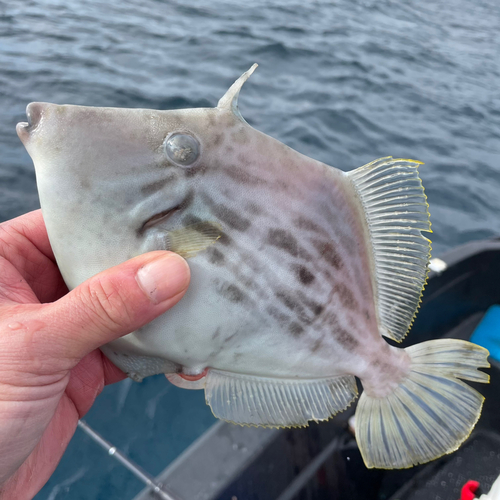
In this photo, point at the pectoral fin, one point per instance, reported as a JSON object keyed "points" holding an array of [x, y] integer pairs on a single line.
{"points": [[190, 240]]}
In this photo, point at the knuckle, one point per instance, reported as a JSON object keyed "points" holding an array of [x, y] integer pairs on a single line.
{"points": [[110, 304]]}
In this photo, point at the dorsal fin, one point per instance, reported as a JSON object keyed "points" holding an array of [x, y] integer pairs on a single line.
{"points": [[396, 210], [230, 99]]}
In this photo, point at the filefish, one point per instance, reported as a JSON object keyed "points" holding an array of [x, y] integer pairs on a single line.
{"points": [[298, 270]]}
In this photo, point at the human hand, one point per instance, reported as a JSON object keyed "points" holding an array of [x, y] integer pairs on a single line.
{"points": [[51, 369]]}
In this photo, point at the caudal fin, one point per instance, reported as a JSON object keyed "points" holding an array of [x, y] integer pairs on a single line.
{"points": [[431, 412]]}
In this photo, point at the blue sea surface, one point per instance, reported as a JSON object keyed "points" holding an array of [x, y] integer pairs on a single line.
{"points": [[343, 81]]}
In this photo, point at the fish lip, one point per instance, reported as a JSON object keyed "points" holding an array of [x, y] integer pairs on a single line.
{"points": [[22, 129], [34, 114]]}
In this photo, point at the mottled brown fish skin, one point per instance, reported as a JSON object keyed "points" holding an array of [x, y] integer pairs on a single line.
{"points": [[289, 281], [300, 263]]}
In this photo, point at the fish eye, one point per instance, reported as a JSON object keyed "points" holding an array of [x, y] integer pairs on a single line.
{"points": [[182, 149]]}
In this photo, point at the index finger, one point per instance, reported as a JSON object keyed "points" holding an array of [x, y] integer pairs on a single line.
{"points": [[25, 247], [32, 227]]}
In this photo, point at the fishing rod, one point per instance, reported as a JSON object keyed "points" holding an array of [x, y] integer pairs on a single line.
{"points": [[157, 488]]}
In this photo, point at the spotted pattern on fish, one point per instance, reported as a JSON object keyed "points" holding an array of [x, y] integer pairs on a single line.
{"points": [[218, 139], [328, 252], [224, 239], [343, 336], [195, 170], [240, 136], [232, 292], [298, 300], [346, 296], [190, 220], [311, 248], [303, 274], [281, 238], [242, 176], [307, 224], [254, 209], [283, 264], [296, 329], [215, 256], [228, 215]]}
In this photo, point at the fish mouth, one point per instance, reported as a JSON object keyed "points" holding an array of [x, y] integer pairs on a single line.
{"points": [[158, 218], [34, 113]]}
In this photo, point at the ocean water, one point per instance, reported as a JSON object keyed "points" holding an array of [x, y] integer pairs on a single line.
{"points": [[342, 81]]}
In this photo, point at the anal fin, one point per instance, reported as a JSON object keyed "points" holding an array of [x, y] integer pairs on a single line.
{"points": [[275, 402]]}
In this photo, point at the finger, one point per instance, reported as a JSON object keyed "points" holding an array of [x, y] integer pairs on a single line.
{"points": [[112, 304], [32, 227], [24, 245], [88, 378], [13, 287]]}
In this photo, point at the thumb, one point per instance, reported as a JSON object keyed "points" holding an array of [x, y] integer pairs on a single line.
{"points": [[114, 303]]}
